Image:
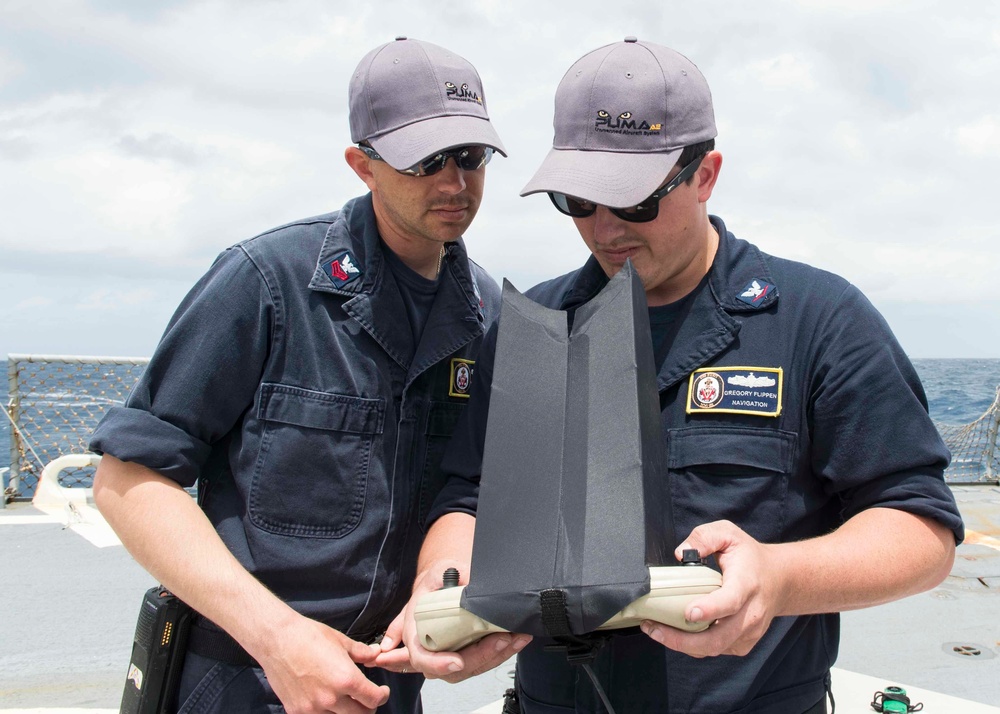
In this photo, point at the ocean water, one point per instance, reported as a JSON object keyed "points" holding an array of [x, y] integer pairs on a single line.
{"points": [[959, 391], [61, 403]]}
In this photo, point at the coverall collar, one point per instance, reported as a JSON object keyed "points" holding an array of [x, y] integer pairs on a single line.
{"points": [[456, 317], [709, 327]]}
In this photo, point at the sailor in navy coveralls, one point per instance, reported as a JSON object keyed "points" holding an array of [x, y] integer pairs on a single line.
{"points": [[308, 385], [800, 453]]}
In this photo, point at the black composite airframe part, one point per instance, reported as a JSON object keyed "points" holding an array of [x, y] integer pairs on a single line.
{"points": [[571, 494]]}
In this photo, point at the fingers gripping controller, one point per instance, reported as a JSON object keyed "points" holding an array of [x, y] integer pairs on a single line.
{"points": [[443, 626]]}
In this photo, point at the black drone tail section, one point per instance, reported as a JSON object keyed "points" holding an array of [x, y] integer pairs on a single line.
{"points": [[573, 454]]}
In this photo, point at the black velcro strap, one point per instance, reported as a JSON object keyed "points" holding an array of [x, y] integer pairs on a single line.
{"points": [[580, 649], [555, 619], [216, 644]]}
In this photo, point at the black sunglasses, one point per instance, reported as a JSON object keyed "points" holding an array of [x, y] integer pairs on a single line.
{"points": [[467, 158], [642, 212]]}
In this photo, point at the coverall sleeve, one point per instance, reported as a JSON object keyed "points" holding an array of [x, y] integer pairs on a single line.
{"points": [[202, 378], [873, 442]]}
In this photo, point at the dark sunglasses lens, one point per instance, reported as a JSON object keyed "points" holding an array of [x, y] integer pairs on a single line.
{"points": [[471, 158], [430, 166], [640, 213], [468, 158], [572, 206]]}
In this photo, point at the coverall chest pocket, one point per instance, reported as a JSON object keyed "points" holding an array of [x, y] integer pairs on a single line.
{"points": [[739, 474], [441, 420], [312, 469]]}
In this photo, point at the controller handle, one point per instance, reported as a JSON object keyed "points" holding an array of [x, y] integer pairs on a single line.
{"points": [[444, 626]]}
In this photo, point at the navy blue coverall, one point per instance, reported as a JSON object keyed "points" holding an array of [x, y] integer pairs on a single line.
{"points": [[784, 414], [287, 385]]}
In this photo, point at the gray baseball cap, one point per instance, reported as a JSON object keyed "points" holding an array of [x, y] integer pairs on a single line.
{"points": [[623, 114], [411, 99]]}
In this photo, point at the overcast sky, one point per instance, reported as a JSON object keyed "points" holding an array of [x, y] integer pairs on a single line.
{"points": [[139, 139]]}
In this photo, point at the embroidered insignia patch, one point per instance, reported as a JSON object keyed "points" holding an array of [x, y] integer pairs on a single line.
{"points": [[343, 269], [735, 390], [756, 292], [461, 377]]}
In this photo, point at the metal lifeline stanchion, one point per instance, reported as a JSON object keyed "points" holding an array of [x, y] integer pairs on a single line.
{"points": [[991, 440], [11, 412]]}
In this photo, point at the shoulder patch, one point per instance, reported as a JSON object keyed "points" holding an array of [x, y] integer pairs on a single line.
{"points": [[343, 269], [757, 293]]}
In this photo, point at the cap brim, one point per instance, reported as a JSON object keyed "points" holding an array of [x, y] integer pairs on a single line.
{"points": [[413, 143], [614, 179]]}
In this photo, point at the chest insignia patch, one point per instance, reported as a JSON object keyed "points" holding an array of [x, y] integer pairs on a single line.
{"points": [[735, 390], [757, 293], [343, 269], [461, 377]]}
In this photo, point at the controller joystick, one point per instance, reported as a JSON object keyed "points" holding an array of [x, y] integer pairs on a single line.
{"points": [[450, 578], [689, 556], [444, 626]]}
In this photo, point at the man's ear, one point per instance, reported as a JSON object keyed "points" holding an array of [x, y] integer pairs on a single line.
{"points": [[361, 164], [707, 175]]}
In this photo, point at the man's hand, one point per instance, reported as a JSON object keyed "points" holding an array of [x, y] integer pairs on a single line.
{"points": [[452, 667], [314, 669], [842, 570], [743, 607], [311, 667]]}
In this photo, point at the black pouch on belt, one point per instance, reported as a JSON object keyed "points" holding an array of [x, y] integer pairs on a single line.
{"points": [[154, 670]]}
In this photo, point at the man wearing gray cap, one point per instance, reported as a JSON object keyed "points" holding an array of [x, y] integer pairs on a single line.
{"points": [[800, 453], [307, 385]]}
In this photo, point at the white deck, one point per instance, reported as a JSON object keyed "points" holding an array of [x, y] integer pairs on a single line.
{"points": [[71, 595]]}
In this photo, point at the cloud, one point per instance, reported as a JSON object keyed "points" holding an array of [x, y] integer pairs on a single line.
{"points": [[16, 148], [163, 146], [32, 302], [10, 68], [106, 299], [783, 72], [144, 138], [981, 137]]}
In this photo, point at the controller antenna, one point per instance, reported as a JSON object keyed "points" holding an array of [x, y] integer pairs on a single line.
{"points": [[450, 578]]}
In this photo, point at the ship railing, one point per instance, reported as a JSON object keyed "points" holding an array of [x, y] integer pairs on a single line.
{"points": [[975, 456], [55, 401]]}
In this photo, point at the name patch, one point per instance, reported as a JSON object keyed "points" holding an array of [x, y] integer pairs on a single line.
{"points": [[461, 377], [735, 390]]}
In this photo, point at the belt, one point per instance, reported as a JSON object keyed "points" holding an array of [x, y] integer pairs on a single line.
{"points": [[819, 708], [216, 644]]}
